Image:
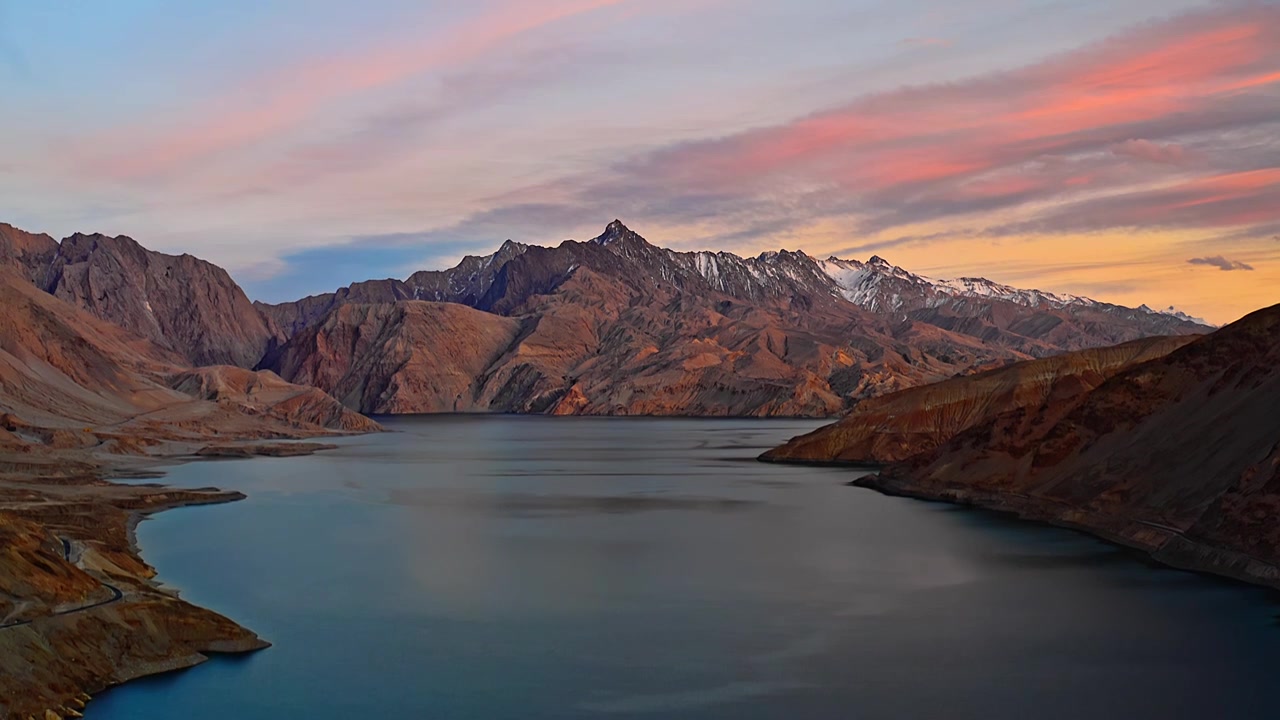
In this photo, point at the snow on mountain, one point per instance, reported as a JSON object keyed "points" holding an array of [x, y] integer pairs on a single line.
{"points": [[1172, 311], [984, 288], [878, 285], [875, 285]]}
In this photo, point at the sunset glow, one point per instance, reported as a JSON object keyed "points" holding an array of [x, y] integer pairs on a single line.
{"points": [[1096, 153]]}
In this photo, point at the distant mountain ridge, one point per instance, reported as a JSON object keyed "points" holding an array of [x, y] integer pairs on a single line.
{"points": [[613, 325], [617, 325], [875, 285]]}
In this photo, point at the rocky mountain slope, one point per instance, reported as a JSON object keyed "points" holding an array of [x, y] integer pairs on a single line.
{"points": [[1178, 456], [617, 325], [403, 357], [179, 302], [901, 425], [70, 379], [263, 394]]}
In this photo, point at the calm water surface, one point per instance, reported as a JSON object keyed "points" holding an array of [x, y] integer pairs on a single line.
{"points": [[509, 567]]}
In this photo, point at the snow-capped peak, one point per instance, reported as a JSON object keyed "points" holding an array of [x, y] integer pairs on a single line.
{"points": [[876, 284], [613, 233], [1172, 311], [880, 285], [984, 288]]}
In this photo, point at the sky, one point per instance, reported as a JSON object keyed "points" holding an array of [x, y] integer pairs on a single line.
{"points": [[1128, 150]]}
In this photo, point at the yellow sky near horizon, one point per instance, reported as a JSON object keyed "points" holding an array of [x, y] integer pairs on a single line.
{"points": [[1124, 267]]}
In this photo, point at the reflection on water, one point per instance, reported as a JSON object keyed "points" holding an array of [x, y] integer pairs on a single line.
{"points": [[510, 567]]}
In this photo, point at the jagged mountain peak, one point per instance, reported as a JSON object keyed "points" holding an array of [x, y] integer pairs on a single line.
{"points": [[616, 232], [511, 246], [84, 240]]}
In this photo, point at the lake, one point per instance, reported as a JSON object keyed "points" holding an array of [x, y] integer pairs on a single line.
{"points": [[529, 567]]}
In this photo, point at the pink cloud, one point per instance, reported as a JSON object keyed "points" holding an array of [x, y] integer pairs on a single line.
{"points": [[1054, 141], [1050, 138], [280, 102], [1225, 200], [1185, 75], [1169, 153]]}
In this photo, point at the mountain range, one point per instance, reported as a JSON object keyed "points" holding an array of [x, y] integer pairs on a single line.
{"points": [[614, 325]]}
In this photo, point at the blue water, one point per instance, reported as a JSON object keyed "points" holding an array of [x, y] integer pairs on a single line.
{"points": [[509, 567]]}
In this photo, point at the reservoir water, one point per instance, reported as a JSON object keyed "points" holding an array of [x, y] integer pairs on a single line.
{"points": [[520, 567]]}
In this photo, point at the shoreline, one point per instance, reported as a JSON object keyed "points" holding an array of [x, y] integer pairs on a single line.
{"points": [[135, 518], [51, 662], [1165, 547]]}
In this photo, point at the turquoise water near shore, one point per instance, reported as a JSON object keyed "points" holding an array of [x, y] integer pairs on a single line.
{"points": [[522, 567]]}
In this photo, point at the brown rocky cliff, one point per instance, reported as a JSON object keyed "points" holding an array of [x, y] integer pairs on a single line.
{"points": [[407, 357], [61, 365], [177, 301], [26, 253], [1167, 439], [898, 426]]}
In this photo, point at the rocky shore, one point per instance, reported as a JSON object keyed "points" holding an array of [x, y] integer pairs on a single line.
{"points": [[79, 608], [1171, 449], [81, 401], [1165, 545]]}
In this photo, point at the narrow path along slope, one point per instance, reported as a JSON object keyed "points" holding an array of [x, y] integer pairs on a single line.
{"points": [[116, 594]]}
